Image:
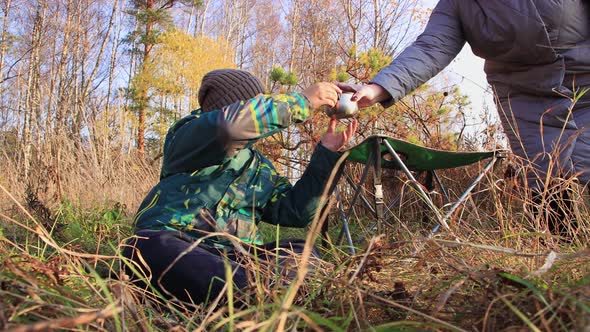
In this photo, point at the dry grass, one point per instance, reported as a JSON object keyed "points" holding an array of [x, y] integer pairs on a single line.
{"points": [[506, 273]]}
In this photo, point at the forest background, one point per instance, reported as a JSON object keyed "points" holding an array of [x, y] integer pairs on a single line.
{"points": [[107, 79]]}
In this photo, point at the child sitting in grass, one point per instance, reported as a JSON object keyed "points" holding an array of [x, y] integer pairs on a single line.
{"points": [[214, 181]]}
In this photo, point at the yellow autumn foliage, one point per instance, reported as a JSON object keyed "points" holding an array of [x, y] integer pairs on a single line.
{"points": [[178, 63]]}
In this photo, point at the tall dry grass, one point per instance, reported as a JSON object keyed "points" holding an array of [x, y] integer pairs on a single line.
{"points": [[88, 173], [498, 270]]}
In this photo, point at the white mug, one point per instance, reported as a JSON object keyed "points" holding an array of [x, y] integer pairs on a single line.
{"points": [[345, 108]]}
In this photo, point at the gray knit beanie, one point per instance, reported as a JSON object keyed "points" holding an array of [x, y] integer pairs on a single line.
{"points": [[223, 87]]}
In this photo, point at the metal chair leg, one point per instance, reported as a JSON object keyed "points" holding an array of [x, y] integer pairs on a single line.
{"points": [[345, 230], [425, 196], [442, 188], [377, 183], [465, 194], [366, 203]]}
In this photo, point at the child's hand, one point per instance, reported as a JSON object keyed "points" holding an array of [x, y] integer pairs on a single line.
{"points": [[322, 93], [335, 141]]}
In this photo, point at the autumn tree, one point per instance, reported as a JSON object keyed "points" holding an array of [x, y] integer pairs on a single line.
{"points": [[73, 70], [375, 30], [172, 76], [316, 49], [267, 45], [32, 103], [152, 18]]}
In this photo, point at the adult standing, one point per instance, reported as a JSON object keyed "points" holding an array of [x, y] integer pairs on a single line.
{"points": [[537, 60]]}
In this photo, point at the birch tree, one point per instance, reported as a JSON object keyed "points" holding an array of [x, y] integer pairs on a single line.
{"points": [[33, 93]]}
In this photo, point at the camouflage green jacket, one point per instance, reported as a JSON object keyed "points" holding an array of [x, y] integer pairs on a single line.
{"points": [[213, 180]]}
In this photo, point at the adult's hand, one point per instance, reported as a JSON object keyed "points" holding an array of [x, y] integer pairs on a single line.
{"points": [[366, 95], [335, 141], [322, 93]]}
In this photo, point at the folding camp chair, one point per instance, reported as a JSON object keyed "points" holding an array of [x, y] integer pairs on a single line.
{"points": [[378, 152]]}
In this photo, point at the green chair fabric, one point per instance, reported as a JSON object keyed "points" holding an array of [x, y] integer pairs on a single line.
{"points": [[415, 157]]}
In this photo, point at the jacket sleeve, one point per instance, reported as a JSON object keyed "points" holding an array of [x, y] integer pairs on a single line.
{"points": [[296, 206], [432, 51], [201, 140]]}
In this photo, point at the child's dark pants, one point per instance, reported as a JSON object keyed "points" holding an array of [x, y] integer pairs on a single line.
{"points": [[199, 275]]}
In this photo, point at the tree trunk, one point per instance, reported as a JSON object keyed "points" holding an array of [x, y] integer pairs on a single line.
{"points": [[377, 23], [112, 65], [204, 17], [294, 31], [77, 73], [63, 88], [88, 83], [33, 93], [3, 43], [143, 95]]}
